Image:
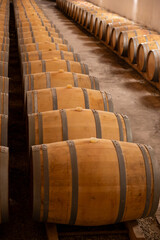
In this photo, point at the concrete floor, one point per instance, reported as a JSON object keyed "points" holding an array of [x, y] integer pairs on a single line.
{"points": [[132, 95]]}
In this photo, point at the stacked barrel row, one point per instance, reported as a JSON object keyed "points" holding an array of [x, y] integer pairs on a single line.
{"points": [[141, 46], [4, 89], [75, 138]]}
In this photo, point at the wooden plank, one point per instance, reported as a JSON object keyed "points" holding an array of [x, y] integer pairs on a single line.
{"points": [[135, 232], [51, 231]]}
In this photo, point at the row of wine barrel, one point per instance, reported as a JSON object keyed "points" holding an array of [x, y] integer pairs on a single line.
{"points": [[75, 138], [139, 45], [4, 90]]}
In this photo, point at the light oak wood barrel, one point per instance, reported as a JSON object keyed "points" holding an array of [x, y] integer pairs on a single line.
{"points": [[4, 15], [59, 3], [45, 46], [80, 15], [3, 130], [153, 65], [22, 15], [69, 124], [76, 14], [35, 23], [22, 20], [38, 34], [103, 26], [4, 103], [84, 13], [109, 27], [101, 23], [45, 55], [30, 17], [4, 40], [59, 79], [125, 36], [134, 43], [4, 34], [4, 47], [4, 28], [76, 9], [67, 97], [4, 19], [88, 18], [116, 32], [4, 22], [36, 28], [4, 69], [80, 11], [41, 38], [65, 8], [91, 182], [83, 18], [97, 19], [4, 188], [71, 10], [4, 56], [98, 16], [4, 84], [54, 65], [142, 53]]}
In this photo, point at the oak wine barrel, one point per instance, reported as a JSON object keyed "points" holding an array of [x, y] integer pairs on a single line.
{"points": [[45, 55], [4, 34], [41, 38], [4, 69], [96, 18], [109, 27], [39, 33], [153, 65], [103, 26], [142, 53], [36, 28], [54, 65], [4, 84], [134, 43], [59, 79], [116, 32], [91, 182], [69, 124], [34, 23], [45, 46], [67, 97], [4, 47], [4, 40], [125, 36], [4, 56], [21, 21]]}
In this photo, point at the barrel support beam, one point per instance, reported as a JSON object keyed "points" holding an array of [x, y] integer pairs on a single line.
{"points": [[135, 232], [51, 230]]}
